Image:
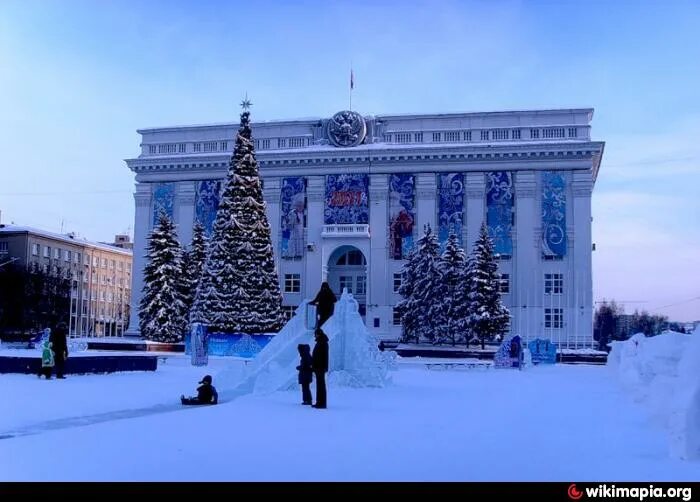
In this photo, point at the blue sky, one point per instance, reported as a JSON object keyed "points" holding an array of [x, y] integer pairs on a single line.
{"points": [[78, 78]]}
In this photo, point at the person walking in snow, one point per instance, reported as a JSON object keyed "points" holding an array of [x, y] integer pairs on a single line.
{"points": [[47, 360], [325, 304], [60, 347], [306, 375], [319, 361]]}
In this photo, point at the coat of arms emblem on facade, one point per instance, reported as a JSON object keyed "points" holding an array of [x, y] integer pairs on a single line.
{"points": [[347, 128]]}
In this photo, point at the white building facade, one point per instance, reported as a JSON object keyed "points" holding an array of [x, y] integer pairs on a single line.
{"points": [[348, 196]]}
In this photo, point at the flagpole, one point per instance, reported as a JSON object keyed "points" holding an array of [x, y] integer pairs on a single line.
{"points": [[352, 84]]}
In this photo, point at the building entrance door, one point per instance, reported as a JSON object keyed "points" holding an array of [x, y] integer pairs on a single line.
{"points": [[347, 268]]}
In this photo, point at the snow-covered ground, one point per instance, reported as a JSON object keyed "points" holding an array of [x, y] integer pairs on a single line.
{"points": [[547, 423]]}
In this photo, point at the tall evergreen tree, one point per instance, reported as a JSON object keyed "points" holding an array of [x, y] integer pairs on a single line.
{"points": [[239, 290], [488, 316], [192, 265], [162, 310], [420, 284], [453, 309]]}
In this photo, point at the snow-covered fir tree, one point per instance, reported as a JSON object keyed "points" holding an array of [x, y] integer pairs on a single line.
{"points": [[488, 316], [454, 306], [162, 310], [420, 306], [239, 290], [192, 265]]}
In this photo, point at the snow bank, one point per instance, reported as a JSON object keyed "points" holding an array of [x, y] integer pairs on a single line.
{"points": [[663, 373]]}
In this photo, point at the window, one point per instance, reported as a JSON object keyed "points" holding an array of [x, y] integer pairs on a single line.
{"points": [[452, 136], [484, 135], [110, 297], [396, 317], [281, 142], [397, 282], [56, 253], [376, 322], [35, 249], [3, 247], [573, 132], [296, 142], [504, 283], [534, 133], [210, 146], [94, 279], [387, 138], [516, 134], [152, 149], [76, 257], [120, 265], [95, 261], [553, 284], [66, 255], [346, 283], [437, 137], [418, 137], [553, 132], [47, 251], [224, 146], [292, 283], [167, 148], [553, 318], [85, 278], [265, 144], [104, 262], [499, 133], [467, 135], [288, 311], [182, 148], [112, 264], [361, 285], [86, 259], [403, 137], [102, 295], [197, 147]]}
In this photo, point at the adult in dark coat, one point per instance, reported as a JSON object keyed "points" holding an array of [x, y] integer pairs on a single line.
{"points": [[306, 374], [325, 303], [319, 360], [59, 344]]}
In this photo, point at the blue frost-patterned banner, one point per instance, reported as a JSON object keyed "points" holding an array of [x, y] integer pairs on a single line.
{"points": [[293, 202], [207, 203], [347, 201], [163, 195], [553, 214], [450, 206], [499, 210], [401, 214]]}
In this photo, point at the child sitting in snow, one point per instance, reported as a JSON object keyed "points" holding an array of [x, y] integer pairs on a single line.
{"points": [[206, 393]]}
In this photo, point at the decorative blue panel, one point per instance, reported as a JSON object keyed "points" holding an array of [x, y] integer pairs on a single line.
{"points": [[231, 344], [163, 195], [293, 217], [542, 351], [499, 210], [208, 193], [401, 214], [553, 214], [450, 206], [347, 201]]}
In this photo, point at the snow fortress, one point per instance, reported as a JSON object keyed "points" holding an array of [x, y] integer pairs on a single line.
{"points": [[347, 196]]}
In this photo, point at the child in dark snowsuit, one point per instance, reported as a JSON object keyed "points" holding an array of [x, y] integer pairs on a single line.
{"points": [[206, 393], [305, 372]]}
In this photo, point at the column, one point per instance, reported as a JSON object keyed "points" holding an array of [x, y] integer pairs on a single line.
{"points": [[142, 199], [525, 284], [378, 280], [271, 195], [426, 202], [184, 208], [475, 191], [581, 256], [316, 263]]}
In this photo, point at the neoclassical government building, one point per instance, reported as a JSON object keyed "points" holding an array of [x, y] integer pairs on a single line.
{"points": [[348, 196]]}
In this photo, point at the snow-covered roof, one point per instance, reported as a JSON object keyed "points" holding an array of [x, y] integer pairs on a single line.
{"points": [[18, 229]]}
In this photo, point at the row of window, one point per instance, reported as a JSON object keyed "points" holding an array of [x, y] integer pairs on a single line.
{"points": [[223, 146], [485, 135], [553, 318], [553, 283], [75, 256]]}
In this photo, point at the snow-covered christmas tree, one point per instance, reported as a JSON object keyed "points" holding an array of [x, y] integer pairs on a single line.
{"points": [[420, 308], [454, 306], [488, 316], [192, 265], [162, 310], [239, 290]]}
